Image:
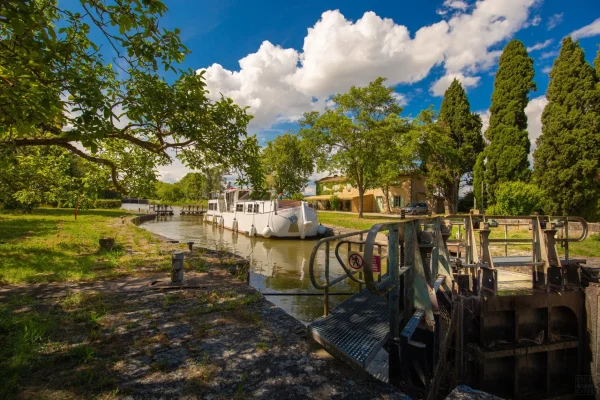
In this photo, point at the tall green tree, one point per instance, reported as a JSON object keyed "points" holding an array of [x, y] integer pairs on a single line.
{"points": [[509, 145], [345, 136], [193, 186], [110, 104], [567, 157], [288, 163], [464, 129]]}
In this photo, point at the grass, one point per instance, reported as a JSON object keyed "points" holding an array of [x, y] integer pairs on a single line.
{"points": [[351, 220], [49, 245], [588, 248]]}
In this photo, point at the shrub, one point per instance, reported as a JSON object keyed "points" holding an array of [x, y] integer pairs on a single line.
{"points": [[105, 203], [335, 203], [516, 198], [298, 196]]}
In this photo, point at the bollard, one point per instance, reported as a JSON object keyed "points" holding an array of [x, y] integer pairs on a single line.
{"points": [[177, 270], [402, 213], [190, 245]]}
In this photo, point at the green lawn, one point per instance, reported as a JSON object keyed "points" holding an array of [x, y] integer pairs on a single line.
{"points": [[49, 245], [588, 248], [351, 220]]}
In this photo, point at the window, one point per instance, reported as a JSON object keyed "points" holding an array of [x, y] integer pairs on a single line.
{"points": [[250, 208], [239, 207], [211, 206], [256, 208], [398, 201]]}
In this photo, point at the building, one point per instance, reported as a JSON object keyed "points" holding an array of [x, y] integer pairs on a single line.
{"points": [[409, 189]]}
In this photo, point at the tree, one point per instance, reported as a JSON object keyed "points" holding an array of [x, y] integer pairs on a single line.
{"points": [[288, 162], [169, 192], [344, 137], [464, 128], [193, 186], [51, 175], [567, 157], [517, 198], [509, 145], [478, 180], [57, 88]]}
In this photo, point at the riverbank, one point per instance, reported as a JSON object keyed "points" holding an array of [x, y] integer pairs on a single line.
{"points": [[136, 336]]}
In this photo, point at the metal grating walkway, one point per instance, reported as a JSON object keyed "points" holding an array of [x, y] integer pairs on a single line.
{"points": [[355, 330]]}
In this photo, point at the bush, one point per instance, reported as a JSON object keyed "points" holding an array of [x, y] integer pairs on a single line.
{"points": [[298, 196], [335, 203], [465, 203], [516, 198], [106, 203]]}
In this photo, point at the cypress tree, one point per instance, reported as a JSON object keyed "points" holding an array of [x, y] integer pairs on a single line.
{"points": [[509, 144], [464, 128], [567, 157]]}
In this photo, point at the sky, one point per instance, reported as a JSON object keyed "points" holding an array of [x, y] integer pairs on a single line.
{"points": [[285, 58]]}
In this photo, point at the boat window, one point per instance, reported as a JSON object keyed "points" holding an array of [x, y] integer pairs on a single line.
{"points": [[256, 208], [239, 207], [211, 206], [249, 208]]}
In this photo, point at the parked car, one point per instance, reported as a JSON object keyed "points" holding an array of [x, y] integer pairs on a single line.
{"points": [[416, 208]]}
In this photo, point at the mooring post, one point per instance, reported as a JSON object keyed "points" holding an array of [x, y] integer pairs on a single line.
{"points": [[177, 267], [190, 246]]}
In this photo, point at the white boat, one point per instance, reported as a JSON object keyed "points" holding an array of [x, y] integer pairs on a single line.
{"points": [[233, 209]]}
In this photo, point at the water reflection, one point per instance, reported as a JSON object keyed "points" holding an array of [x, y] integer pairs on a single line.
{"points": [[276, 265]]}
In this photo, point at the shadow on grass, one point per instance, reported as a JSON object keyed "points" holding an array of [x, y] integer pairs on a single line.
{"points": [[17, 228]]}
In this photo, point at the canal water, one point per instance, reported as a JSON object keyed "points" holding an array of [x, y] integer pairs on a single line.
{"points": [[277, 265]]}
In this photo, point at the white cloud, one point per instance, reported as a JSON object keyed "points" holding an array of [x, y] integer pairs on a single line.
{"points": [[401, 99], [547, 69], [536, 20], [590, 30], [485, 119], [549, 54], [438, 88], [539, 46], [280, 84], [458, 4], [534, 110], [554, 21]]}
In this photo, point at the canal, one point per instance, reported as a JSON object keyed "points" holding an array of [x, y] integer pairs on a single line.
{"points": [[277, 265]]}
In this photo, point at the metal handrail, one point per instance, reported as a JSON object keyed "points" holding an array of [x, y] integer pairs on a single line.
{"points": [[313, 255], [386, 284]]}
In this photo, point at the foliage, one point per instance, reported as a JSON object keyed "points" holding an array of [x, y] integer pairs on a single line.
{"points": [[345, 137], [465, 203], [335, 203], [107, 204], [289, 163], [59, 88], [478, 178], [516, 198], [169, 192], [51, 175], [567, 157], [509, 144], [464, 128], [298, 196]]}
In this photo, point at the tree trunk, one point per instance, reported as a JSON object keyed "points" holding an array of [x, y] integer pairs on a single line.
{"points": [[455, 194], [360, 200], [386, 192]]}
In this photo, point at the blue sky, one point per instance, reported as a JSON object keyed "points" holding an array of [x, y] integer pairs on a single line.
{"points": [[285, 58]]}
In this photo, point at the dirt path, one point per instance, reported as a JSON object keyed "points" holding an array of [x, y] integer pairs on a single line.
{"points": [[141, 338]]}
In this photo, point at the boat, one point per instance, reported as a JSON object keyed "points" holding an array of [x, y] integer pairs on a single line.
{"points": [[233, 209]]}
